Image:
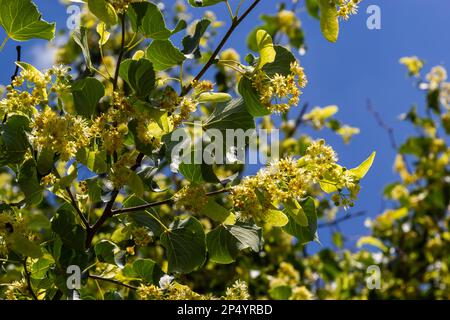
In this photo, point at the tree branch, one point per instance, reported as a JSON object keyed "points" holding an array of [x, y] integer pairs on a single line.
{"points": [[236, 22], [16, 71], [28, 279], [92, 276], [121, 53], [336, 222], [107, 212], [160, 203]]}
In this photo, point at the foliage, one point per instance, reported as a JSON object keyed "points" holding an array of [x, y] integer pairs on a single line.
{"points": [[88, 177]]}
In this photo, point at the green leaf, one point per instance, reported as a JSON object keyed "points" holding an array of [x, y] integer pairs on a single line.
{"points": [[313, 8], [140, 75], [104, 11], [191, 43], [329, 22], [372, 241], [65, 226], [164, 55], [302, 233], [135, 183], [185, 245], [143, 218], [24, 246], [22, 21], [80, 36], [107, 251], [265, 48], [45, 161], [275, 218], [13, 140], [280, 292], [29, 183], [251, 98], [146, 18], [215, 211], [40, 267], [145, 269], [225, 241], [295, 211], [86, 95], [93, 160], [364, 167], [232, 115], [282, 63], [214, 97], [204, 3]]}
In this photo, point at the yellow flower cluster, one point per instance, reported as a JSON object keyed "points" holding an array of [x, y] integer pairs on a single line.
{"points": [[9, 223], [290, 179], [347, 132], [238, 291], [120, 171], [174, 291], [279, 93], [17, 290], [63, 135], [20, 99], [287, 21], [401, 168], [347, 8], [141, 236], [112, 126], [319, 115], [413, 64], [191, 198], [122, 5], [436, 77]]}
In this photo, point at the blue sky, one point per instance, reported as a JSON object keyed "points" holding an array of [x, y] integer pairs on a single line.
{"points": [[362, 65]]}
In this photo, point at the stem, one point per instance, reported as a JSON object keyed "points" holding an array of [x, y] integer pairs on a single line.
{"points": [[234, 25], [16, 71], [74, 202], [28, 279], [338, 221], [108, 212], [121, 53], [95, 277], [77, 209], [160, 203], [3, 43], [230, 11]]}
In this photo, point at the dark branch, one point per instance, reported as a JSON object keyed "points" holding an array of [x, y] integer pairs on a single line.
{"points": [[28, 279], [159, 203], [121, 53], [108, 211], [92, 276], [340, 220], [236, 22], [16, 71]]}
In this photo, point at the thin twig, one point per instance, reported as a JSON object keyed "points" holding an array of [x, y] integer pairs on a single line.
{"points": [[336, 222], [73, 202], [77, 209], [160, 203], [92, 276], [16, 71], [382, 124], [121, 53], [389, 130], [107, 212], [236, 22], [28, 279]]}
